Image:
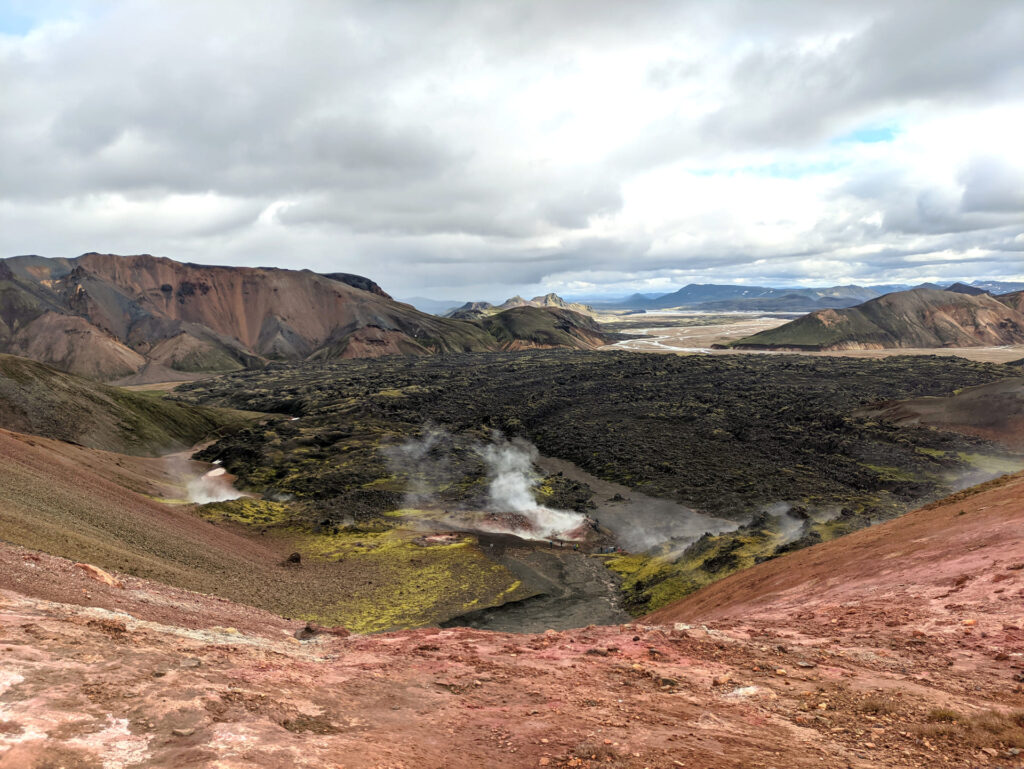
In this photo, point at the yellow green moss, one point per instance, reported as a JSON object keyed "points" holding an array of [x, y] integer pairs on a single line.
{"points": [[247, 511], [887, 473], [409, 585], [653, 580]]}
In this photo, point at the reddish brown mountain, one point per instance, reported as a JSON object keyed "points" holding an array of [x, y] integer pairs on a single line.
{"points": [[111, 317]]}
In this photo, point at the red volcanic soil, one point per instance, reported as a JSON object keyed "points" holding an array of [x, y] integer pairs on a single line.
{"points": [[898, 646]]}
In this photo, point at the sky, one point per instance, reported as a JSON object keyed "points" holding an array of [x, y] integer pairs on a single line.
{"points": [[478, 149]]}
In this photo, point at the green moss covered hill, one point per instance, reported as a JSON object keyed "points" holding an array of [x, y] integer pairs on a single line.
{"points": [[40, 400]]}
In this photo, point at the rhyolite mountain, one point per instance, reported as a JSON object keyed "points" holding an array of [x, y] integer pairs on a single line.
{"points": [[918, 318], [532, 328], [478, 310], [146, 318]]}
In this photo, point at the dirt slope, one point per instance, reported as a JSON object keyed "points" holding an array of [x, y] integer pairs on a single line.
{"points": [[960, 546], [104, 508], [917, 318]]}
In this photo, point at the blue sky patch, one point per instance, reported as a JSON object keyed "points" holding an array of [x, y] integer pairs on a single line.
{"points": [[868, 135], [13, 22]]}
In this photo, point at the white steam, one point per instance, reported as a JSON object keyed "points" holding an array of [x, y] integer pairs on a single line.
{"points": [[430, 463], [425, 464], [214, 486], [791, 527], [510, 466]]}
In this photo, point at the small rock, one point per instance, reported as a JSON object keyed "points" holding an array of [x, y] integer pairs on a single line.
{"points": [[780, 671], [294, 558], [183, 732], [806, 664], [721, 680], [545, 761], [190, 662], [96, 573]]}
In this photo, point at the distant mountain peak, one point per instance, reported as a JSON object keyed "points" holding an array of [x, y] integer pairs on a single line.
{"points": [[963, 288]]}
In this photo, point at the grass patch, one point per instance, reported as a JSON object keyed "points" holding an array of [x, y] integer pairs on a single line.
{"points": [[989, 729], [876, 706]]}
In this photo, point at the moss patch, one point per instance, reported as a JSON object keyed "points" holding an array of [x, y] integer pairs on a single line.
{"points": [[247, 511], [887, 473], [404, 584]]}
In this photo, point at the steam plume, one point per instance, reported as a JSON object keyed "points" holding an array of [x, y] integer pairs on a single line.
{"points": [[214, 486], [510, 465], [424, 461]]}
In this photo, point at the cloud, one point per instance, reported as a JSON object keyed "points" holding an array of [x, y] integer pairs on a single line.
{"points": [[474, 150]]}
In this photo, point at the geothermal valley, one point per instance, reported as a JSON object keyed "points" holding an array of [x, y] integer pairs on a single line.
{"points": [[565, 555], [511, 384]]}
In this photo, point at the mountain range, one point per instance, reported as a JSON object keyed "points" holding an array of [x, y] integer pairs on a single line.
{"points": [[921, 317], [710, 297], [147, 318]]}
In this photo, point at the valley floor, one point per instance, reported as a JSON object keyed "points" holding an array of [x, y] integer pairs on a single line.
{"points": [[901, 645], [683, 333]]}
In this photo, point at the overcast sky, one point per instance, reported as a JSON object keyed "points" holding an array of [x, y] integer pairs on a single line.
{"points": [[471, 150]]}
